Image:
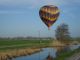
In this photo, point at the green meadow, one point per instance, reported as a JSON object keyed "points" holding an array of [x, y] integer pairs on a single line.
{"points": [[23, 43]]}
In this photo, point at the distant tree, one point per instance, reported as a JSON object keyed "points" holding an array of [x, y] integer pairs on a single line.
{"points": [[62, 33]]}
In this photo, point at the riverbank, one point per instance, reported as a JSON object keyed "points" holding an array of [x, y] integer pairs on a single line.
{"points": [[76, 56], [15, 48], [66, 55], [9, 54]]}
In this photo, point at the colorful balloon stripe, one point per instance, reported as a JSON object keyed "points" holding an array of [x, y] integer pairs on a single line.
{"points": [[49, 14]]}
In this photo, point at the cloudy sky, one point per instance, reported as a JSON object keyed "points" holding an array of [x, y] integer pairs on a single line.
{"points": [[21, 17]]}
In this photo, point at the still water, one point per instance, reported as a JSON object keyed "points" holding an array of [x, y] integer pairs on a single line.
{"points": [[43, 54], [40, 55]]}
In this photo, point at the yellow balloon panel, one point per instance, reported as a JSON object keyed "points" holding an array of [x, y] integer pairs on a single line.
{"points": [[49, 14]]}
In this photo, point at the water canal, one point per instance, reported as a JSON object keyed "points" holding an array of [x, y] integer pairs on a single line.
{"points": [[43, 54]]}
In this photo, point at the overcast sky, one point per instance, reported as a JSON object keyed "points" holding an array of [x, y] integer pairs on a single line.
{"points": [[21, 17]]}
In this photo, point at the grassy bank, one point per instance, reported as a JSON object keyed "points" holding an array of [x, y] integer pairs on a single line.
{"points": [[14, 48], [64, 55], [9, 54]]}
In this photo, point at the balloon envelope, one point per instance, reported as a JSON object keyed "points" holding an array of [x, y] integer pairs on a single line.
{"points": [[49, 14]]}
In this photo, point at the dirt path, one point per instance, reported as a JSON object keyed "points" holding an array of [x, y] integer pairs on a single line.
{"points": [[13, 46], [20, 45]]}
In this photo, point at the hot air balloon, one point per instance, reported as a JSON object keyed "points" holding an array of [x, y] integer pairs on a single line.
{"points": [[49, 14]]}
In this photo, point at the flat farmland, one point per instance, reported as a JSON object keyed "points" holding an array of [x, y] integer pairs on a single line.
{"points": [[10, 44]]}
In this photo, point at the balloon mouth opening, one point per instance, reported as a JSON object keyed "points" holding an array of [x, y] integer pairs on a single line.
{"points": [[48, 28]]}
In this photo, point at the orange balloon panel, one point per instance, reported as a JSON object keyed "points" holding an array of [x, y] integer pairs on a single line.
{"points": [[49, 14]]}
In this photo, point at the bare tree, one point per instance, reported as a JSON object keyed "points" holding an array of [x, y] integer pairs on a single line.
{"points": [[62, 33]]}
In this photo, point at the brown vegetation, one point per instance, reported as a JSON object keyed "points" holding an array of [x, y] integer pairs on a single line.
{"points": [[9, 54]]}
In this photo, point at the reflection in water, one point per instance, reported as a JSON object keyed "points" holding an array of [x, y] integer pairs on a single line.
{"points": [[39, 56], [74, 47], [49, 57], [46, 51]]}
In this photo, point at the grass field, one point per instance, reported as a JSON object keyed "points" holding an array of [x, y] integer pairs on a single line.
{"points": [[10, 44]]}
